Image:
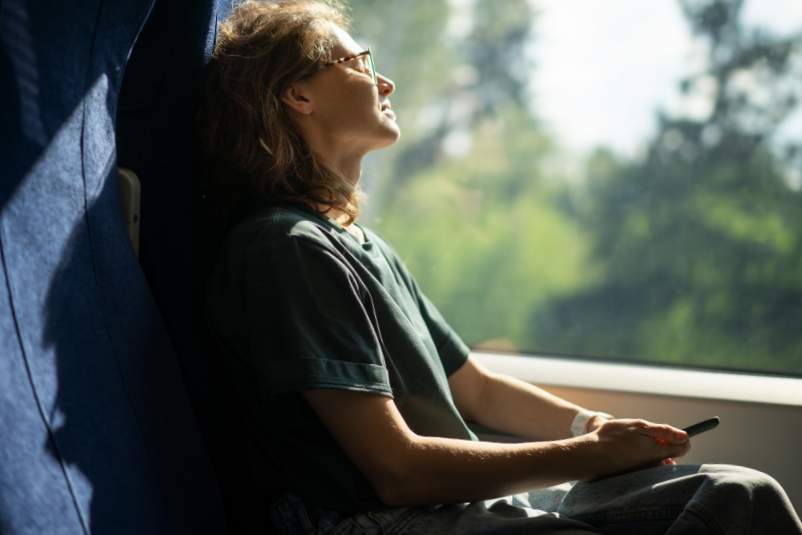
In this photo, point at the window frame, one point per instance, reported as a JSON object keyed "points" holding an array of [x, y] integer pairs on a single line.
{"points": [[645, 379]]}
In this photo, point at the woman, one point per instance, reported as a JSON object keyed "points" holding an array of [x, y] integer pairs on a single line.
{"points": [[359, 389]]}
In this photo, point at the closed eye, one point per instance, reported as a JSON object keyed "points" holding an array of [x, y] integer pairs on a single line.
{"points": [[359, 64]]}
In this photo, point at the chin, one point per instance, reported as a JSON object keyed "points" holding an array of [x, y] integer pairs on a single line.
{"points": [[383, 134], [389, 135], [395, 134]]}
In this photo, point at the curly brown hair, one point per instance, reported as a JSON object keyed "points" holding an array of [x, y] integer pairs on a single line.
{"points": [[262, 48]]}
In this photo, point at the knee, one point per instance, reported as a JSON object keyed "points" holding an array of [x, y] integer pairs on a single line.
{"points": [[766, 491], [749, 488]]}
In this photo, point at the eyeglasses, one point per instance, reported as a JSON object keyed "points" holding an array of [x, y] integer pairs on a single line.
{"points": [[365, 63]]}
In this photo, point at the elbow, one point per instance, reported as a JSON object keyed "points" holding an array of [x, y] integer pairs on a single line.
{"points": [[391, 495], [400, 482], [399, 492], [395, 488]]}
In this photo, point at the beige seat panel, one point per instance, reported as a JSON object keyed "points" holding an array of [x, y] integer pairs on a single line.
{"points": [[131, 197]]}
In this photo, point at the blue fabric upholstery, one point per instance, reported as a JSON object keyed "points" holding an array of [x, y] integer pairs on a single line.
{"points": [[97, 434]]}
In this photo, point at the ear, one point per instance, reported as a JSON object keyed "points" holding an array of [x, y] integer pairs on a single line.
{"points": [[298, 99]]}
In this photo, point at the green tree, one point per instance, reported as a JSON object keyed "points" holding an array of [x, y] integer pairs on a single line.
{"points": [[487, 256], [701, 241], [446, 83], [481, 230]]}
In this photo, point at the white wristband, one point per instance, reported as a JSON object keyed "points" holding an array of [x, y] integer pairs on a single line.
{"points": [[580, 424]]}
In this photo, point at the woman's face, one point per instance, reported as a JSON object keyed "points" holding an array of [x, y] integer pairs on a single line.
{"points": [[346, 107]]}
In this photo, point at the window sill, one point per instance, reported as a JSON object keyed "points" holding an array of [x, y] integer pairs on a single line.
{"points": [[645, 379]]}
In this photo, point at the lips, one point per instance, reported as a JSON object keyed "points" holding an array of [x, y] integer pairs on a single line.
{"points": [[386, 109]]}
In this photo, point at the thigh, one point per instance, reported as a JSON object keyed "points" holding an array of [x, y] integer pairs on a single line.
{"points": [[549, 498], [504, 516], [647, 487], [645, 501], [291, 515], [498, 516], [702, 499]]}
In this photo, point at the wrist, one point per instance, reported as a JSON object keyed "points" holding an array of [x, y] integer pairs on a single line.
{"points": [[587, 421], [597, 420]]}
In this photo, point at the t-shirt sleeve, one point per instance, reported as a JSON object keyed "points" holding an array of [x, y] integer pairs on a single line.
{"points": [[308, 323], [452, 350]]}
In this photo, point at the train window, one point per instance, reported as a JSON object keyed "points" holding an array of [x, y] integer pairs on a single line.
{"points": [[613, 180]]}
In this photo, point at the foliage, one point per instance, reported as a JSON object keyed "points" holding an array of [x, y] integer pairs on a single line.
{"points": [[690, 254], [701, 240]]}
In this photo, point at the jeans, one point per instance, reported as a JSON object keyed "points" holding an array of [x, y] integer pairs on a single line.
{"points": [[707, 499]]}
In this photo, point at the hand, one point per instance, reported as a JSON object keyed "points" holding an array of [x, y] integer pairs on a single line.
{"points": [[623, 445]]}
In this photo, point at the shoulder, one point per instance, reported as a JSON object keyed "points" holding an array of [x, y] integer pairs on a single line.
{"points": [[380, 242], [279, 241], [387, 250], [279, 227]]}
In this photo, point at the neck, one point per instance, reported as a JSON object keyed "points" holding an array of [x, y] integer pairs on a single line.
{"points": [[343, 160]]}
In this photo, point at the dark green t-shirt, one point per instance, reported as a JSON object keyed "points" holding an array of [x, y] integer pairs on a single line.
{"points": [[296, 303]]}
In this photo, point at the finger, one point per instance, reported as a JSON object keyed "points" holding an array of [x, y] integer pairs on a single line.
{"points": [[669, 461], [672, 434], [678, 450], [668, 434], [657, 437], [686, 447], [652, 437], [679, 436]]}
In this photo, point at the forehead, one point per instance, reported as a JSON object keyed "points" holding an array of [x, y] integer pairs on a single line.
{"points": [[344, 43]]}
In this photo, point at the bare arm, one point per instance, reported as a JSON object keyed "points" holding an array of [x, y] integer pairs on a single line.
{"points": [[408, 469], [510, 405]]}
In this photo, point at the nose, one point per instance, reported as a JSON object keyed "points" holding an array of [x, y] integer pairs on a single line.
{"points": [[386, 86]]}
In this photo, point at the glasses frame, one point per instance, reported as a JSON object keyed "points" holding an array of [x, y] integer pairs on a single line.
{"points": [[365, 52]]}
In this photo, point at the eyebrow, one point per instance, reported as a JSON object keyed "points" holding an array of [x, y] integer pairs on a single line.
{"points": [[349, 57]]}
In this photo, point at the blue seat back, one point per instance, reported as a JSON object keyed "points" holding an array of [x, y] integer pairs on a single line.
{"points": [[97, 434]]}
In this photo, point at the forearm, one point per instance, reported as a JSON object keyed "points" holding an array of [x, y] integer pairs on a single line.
{"points": [[519, 408], [442, 470]]}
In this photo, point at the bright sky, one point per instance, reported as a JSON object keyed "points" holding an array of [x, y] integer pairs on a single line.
{"points": [[604, 66]]}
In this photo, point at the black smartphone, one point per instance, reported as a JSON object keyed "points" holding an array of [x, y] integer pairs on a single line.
{"points": [[701, 427]]}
